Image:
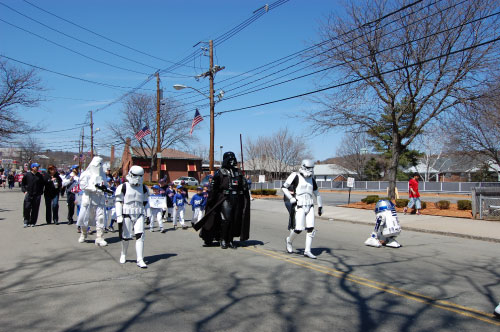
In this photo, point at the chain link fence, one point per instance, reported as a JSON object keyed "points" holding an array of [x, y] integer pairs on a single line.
{"points": [[489, 208]]}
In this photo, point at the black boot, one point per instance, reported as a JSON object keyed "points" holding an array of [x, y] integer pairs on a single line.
{"points": [[223, 244]]}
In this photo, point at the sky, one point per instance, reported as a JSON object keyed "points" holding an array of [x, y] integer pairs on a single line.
{"points": [[167, 30]]}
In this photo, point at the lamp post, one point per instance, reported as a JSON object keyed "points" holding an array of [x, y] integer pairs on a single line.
{"points": [[212, 112]]}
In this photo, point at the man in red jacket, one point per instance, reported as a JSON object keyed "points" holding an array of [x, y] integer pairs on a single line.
{"points": [[414, 194]]}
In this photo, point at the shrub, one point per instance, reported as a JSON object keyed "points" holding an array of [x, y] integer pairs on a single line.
{"points": [[370, 199], [149, 183], [424, 205], [256, 192], [442, 205], [464, 204], [270, 192], [400, 203]]}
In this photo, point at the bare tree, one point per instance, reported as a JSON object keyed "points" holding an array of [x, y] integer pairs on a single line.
{"points": [[139, 112], [475, 129], [18, 88], [432, 144], [29, 149], [277, 153], [407, 68], [353, 153]]}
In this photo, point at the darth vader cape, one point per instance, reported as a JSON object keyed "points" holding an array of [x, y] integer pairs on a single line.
{"points": [[210, 225]]}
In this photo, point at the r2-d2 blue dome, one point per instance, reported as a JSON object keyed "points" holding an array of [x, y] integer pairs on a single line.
{"points": [[383, 205]]}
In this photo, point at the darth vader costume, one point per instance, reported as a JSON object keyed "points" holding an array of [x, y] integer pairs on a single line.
{"points": [[228, 206]]}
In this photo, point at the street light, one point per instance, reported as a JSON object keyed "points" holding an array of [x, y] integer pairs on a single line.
{"points": [[221, 156], [212, 112]]}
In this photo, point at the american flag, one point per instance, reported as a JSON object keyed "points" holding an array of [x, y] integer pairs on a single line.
{"points": [[197, 119], [143, 132]]}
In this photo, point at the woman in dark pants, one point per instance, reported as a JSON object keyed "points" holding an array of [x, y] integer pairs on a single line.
{"points": [[53, 184]]}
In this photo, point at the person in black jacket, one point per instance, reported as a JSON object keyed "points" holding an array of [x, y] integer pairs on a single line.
{"points": [[53, 183], [32, 187]]}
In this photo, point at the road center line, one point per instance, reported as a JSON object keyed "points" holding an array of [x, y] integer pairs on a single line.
{"points": [[445, 305]]}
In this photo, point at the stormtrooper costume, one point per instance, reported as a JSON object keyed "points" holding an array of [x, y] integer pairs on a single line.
{"points": [[131, 210], [93, 201], [386, 226], [497, 311], [304, 186]]}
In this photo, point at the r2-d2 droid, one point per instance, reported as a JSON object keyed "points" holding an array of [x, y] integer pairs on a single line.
{"points": [[386, 226]]}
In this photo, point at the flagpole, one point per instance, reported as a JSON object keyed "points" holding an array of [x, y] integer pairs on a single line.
{"points": [[158, 147]]}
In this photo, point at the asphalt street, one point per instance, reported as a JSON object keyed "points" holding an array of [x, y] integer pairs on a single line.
{"points": [[49, 281]]}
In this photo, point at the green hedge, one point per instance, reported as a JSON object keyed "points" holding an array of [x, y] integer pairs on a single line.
{"points": [[370, 199], [424, 205], [265, 192], [401, 203], [442, 205], [464, 204]]}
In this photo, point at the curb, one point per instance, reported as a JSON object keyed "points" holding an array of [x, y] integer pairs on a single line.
{"points": [[428, 231]]}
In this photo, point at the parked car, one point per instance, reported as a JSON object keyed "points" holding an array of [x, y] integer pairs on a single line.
{"points": [[190, 181]]}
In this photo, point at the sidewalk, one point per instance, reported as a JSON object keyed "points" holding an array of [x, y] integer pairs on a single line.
{"points": [[459, 227]]}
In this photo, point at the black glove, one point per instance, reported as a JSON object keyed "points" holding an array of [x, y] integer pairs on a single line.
{"points": [[320, 211], [103, 188]]}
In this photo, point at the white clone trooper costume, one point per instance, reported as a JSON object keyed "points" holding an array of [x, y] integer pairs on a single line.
{"points": [[92, 201], [497, 311], [303, 204], [386, 226], [157, 204], [131, 210]]}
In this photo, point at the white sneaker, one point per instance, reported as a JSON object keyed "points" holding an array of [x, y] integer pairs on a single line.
{"points": [[309, 254], [289, 247], [100, 242], [82, 238], [141, 264], [123, 259]]}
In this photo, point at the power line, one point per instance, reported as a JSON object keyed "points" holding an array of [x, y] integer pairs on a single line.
{"points": [[418, 63], [299, 53], [75, 38], [229, 34], [104, 37], [255, 89], [68, 76], [71, 50]]}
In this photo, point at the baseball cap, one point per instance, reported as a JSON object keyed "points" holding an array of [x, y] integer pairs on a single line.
{"points": [[156, 187], [35, 165], [179, 187]]}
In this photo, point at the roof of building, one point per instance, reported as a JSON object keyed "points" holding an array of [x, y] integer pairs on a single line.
{"points": [[165, 154], [331, 169]]}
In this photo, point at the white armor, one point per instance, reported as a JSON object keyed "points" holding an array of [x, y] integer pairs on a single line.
{"points": [[387, 226], [131, 210], [92, 201], [497, 311], [303, 204]]}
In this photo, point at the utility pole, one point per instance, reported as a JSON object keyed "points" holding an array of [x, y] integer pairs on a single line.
{"points": [[158, 147], [80, 150], [212, 107], [91, 136]]}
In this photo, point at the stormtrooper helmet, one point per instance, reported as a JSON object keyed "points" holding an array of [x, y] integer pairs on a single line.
{"points": [[96, 170], [134, 176], [306, 168], [229, 160], [383, 205]]}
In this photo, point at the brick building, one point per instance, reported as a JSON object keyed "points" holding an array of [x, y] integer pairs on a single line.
{"points": [[174, 163]]}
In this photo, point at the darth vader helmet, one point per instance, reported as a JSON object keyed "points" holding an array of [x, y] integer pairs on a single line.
{"points": [[229, 160]]}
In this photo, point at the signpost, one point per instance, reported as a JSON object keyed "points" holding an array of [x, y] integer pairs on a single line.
{"points": [[350, 185]]}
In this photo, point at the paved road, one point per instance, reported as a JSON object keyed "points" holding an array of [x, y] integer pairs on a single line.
{"points": [[51, 282]]}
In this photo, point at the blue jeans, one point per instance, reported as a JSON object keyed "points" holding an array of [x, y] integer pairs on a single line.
{"points": [[414, 201], [51, 209]]}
